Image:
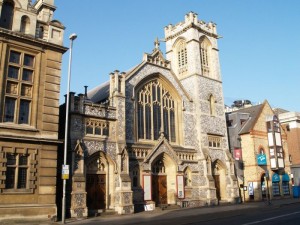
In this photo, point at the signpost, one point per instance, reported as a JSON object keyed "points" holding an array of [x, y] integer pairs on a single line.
{"points": [[261, 160], [65, 172]]}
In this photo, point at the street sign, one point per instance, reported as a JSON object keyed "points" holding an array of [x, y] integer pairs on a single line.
{"points": [[261, 160], [65, 172]]}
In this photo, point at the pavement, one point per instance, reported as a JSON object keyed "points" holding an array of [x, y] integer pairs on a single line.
{"points": [[205, 210]]}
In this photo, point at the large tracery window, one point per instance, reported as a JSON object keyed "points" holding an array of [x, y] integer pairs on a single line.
{"points": [[156, 112]]}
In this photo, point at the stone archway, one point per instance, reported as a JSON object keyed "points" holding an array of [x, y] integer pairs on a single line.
{"points": [[163, 184], [99, 182], [219, 175]]}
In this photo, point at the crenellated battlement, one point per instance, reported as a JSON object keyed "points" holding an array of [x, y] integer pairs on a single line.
{"points": [[190, 20]]}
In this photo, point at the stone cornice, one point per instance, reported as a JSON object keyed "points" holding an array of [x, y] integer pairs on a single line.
{"points": [[30, 139], [192, 25], [16, 36], [200, 75]]}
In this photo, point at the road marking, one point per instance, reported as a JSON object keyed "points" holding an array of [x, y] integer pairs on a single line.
{"points": [[271, 218]]}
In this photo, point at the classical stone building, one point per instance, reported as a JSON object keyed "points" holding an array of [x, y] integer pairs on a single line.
{"points": [[259, 145], [30, 69], [156, 134]]}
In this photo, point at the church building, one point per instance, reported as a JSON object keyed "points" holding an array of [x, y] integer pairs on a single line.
{"points": [[154, 135]]}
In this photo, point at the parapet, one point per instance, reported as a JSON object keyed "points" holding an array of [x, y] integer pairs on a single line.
{"points": [[190, 20]]}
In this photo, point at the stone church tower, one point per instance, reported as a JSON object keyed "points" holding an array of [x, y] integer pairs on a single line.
{"points": [[191, 47], [155, 135]]}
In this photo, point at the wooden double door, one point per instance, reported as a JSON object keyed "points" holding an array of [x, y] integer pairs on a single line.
{"points": [[96, 191], [159, 189]]}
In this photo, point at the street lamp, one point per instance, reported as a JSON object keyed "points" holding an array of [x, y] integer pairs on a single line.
{"points": [[72, 38]]}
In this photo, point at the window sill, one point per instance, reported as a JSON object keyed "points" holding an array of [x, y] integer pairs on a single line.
{"points": [[17, 191], [18, 127], [96, 135]]}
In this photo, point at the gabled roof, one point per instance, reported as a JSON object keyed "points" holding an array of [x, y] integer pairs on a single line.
{"points": [[156, 58], [254, 112]]}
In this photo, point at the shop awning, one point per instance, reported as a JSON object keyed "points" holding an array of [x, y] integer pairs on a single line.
{"points": [[275, 177], [285, 178]]}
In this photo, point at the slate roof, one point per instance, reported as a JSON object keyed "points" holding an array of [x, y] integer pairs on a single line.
{"points": [[254, 112], [101, 92]]}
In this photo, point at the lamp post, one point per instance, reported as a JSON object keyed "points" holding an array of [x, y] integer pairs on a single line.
{"points": [[72, 38]]}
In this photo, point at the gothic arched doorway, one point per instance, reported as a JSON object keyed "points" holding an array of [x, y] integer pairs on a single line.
{"points": [[219, 175], [163, 180], [98, 181]]}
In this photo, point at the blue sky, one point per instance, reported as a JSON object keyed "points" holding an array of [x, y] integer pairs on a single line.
{"points": [[259, 51]]}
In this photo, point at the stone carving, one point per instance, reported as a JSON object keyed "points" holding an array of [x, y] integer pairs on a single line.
{"points": [[127, 209], [127, 197], [79, 200], [79, 212], [100, 111], [90, 147]]}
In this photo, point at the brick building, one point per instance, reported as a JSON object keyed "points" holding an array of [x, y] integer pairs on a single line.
{"points": [[259, 146]]}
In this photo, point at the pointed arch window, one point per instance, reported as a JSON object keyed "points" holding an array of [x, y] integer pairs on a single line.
{"points": [[204, 55], [212, 106], [7, 14], [182, 57], [156, 112], [135, 177]]}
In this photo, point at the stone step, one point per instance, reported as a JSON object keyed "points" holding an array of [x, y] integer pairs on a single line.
{"points": [[102, 212], [167, 207], [108, 212]]}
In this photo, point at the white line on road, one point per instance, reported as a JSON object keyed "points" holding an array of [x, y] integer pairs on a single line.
{"points": [[271, 218]]}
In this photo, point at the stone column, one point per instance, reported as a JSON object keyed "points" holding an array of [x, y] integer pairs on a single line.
{"points": [[78, 194]]}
